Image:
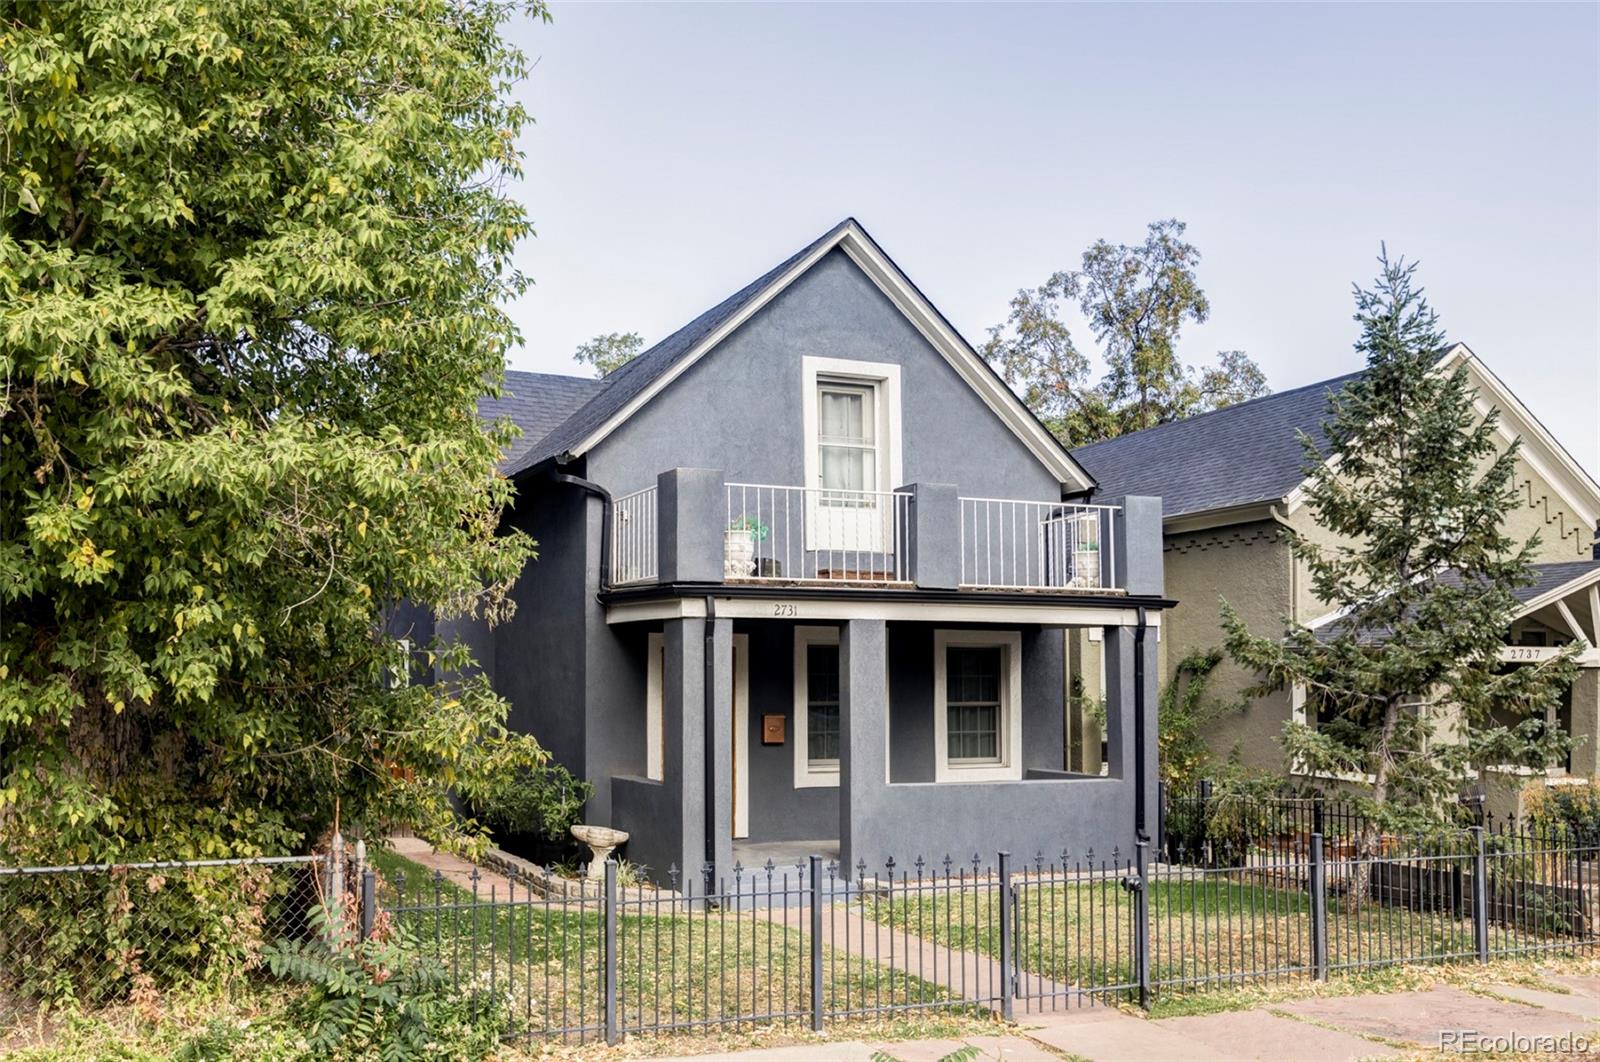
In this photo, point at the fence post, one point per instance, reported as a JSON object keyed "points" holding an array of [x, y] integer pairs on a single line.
{"points": [[1480, 896], [1161, 817], [369, 901], [1141, 920], [816, 943], [1319, 907], [1205, 790], [1007, 986], [335, 897], [611, 951]]}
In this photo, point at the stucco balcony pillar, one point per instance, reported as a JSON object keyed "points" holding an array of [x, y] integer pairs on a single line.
{"points": [[1586, 723], [933, 535], [692, 508], [863, 731], [1136, 545]]}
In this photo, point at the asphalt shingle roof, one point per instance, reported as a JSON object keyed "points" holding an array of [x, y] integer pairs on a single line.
{"points": [[1548, 576], [1242, 455], [537, 402], [621, 386]]}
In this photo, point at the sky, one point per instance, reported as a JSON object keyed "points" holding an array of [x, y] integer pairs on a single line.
{"points": [[680, 150]]}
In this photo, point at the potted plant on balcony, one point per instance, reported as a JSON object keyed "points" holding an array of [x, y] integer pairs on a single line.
{"points": [[739, 547]]}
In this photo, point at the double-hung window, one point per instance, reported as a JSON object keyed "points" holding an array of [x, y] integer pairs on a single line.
{"points": [[816, 706], [847, 440], [851, 424], [977, 706]]}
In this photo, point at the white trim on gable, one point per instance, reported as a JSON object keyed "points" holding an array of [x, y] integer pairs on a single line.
{"points": [[1541, 450], [856, 244]]}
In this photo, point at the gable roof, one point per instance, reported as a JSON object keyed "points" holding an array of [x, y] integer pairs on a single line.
{"points": [[631, 386], [536, 402], [1250, 455], [1246, 454]]}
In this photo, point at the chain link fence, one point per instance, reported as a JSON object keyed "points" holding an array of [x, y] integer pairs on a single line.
{"points": [[105, 934]]}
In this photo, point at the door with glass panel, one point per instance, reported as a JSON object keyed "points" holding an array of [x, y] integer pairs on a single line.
{"points": [[846, 517]]}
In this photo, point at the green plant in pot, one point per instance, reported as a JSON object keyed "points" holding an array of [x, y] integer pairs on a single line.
{"points": [[739, 546]]}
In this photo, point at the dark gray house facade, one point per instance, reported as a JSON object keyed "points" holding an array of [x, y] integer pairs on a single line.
{"points": [[805, 569]]}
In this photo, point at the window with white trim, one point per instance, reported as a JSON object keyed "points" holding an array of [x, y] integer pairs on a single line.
{"points": [[816, 707], [847, 446], [977, 705]]}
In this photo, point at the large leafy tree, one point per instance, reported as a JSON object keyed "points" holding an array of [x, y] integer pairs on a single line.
{"points": [[1412, 493], [1136, 298], [609, 352], [250, 273]]}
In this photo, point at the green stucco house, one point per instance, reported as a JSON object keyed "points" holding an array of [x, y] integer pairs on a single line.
{"points": [[1230, 482]]}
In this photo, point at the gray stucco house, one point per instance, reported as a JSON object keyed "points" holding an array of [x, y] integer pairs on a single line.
{"points": [[1230, 483], [805, 568]]}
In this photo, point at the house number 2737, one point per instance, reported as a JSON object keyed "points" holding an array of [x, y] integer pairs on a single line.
{"points": [[783, 608]]}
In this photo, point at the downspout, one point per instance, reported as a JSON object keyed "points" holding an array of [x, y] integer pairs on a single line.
{"points": [[710, 683], [605, 520], [1141, 826]]}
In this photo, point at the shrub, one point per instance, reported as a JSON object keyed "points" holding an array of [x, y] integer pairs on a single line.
{"points": [[383, 998], [103, 936], [540, 804], [1564, 811]]}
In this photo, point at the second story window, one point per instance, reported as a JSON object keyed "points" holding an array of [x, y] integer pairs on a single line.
{"points": [[847, 446]]}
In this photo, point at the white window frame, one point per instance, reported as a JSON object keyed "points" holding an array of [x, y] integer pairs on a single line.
{"points": [[884, 379], [1009, 769], [654, 749], [807, 776]]}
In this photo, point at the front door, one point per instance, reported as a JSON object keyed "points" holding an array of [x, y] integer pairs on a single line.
{"points": [[741, 736]]}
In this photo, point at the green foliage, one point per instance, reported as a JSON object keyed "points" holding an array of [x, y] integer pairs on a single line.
{"points": [[1415, 491], [250, 270], [758, 530], [1570, 812], [1186, 712], [383, 998], [610, 352], [1137, 300], [99, 937], [544, 801]]}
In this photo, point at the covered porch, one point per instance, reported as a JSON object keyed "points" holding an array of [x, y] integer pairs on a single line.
{"points": [[783, 722]]}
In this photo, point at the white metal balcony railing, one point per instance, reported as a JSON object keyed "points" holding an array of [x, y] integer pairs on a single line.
{"points": [[809, 534], [1029, 545], [633, 538]]}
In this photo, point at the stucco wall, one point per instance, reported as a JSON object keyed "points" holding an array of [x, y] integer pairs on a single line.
{"points": [[739, 409], [1250, 566]]}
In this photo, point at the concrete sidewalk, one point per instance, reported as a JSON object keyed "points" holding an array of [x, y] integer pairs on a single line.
{"points": [[1522, 1021]]}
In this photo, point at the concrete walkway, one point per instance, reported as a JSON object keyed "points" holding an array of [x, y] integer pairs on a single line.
{"points": [[1330, 1029], [967, 975]]}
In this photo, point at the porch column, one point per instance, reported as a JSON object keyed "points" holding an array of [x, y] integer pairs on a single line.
{"points": [[1137, 547], [684, 718], [863, 734], [1586, 722]]}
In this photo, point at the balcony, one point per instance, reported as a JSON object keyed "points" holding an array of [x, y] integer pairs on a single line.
{"points": [[695, 527]]}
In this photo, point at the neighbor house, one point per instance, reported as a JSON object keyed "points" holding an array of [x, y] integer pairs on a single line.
{"points": [[1231, 484], [805, 568]]}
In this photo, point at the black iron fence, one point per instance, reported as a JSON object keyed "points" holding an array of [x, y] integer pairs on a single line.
{"points": [[813, 943]]}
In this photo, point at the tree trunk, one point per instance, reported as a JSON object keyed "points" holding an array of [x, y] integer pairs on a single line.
{"points": [[1369, 840]]}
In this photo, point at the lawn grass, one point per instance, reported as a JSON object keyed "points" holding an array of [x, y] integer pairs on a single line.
{"points": [[680, 965], [1208, 929]]}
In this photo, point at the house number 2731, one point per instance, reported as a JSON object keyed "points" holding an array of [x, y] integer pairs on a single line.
{"points": [[785, 608]]}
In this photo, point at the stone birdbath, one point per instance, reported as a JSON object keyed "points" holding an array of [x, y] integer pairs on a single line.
{"points": [[602, 841]]}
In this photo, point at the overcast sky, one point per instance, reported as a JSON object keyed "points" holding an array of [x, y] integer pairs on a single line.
{"points": [[681, 150]]}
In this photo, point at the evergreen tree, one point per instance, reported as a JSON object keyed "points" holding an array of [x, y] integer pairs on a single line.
{"points": [[1414, 490]]}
